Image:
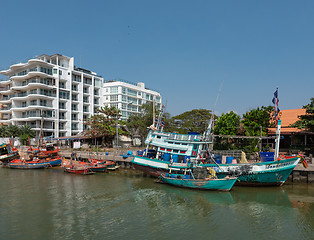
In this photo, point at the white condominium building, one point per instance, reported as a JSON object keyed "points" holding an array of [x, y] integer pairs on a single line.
{"points": [[128, 97], [50, 94]]}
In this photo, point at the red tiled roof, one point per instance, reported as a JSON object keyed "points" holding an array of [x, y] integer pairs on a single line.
{"points": [[288, 117]]}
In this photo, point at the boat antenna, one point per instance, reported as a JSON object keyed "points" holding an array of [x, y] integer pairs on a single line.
{"points": [[211, 121]]}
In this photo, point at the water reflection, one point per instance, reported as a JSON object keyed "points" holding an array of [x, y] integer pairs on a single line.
{"points": [[49, 204]]}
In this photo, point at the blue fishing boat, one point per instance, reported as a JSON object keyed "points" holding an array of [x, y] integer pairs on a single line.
{"points": [[188, 181], [53, 162], [27, 165]]}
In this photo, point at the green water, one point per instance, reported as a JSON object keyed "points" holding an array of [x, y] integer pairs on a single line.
{"points": [[49, 204]]}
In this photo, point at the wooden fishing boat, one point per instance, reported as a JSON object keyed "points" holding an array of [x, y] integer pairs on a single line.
{"points": [[27, 165], [188, 181], [110, 165], [95, 166], [53, 162], [84, 170], [8, 153], [45, 150]]}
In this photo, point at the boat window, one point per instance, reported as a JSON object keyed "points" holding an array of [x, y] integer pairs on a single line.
{"points": [[184, 144], [158, 136], [175, 151], [169, 150], [170, 142], [177, 143], [182, 152], [153, 136], [162, 149]]}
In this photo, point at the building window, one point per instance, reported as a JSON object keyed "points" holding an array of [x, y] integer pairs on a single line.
{"points": [[123, 90], [61, 115], [85, 90], [74, 126], [97, 82], [61, 105], [85, 99], [147, 96], [33, 91], [76, 78], [132, 108], [114, 105], [74, 97], [114, 90], [85, 108], [74, 107], [87, 81], [74, 117], [74, 88], [113, 98], [33, 102], [132, 92], [132, 100], [61, 126], [46, 70], [61, 85], [64, 95]]}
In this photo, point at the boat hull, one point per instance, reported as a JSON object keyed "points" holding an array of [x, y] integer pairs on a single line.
{"points": [[54, 162], [212, 184], [273, 173], [9, 157], [28, 165], [78, 170]]}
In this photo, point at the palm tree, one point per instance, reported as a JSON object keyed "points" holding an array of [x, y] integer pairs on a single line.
{"points": [[13, 131], [4, 131], [26, 132]]}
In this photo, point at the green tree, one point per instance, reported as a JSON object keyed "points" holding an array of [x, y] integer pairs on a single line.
{"points": [[227, 124], [13, 131], [195, 120], [104, 124], [26, 132], [138, 124], [4, 131], [255, 119], [307, 120]]}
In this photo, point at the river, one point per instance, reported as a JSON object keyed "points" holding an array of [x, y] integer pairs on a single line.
{"points": [[49, 204]]}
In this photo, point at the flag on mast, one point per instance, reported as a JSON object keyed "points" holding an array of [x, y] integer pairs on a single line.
{"points": [[276, 105]]}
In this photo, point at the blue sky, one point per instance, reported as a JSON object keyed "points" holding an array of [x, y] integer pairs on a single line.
{"points": [[184, 49]]}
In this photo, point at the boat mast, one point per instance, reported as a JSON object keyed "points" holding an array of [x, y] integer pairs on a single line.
{"points": [[208, 131], [277, 140]]}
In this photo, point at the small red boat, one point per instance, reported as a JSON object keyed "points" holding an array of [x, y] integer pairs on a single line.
{"points": [[85, 170], [97, 165]]}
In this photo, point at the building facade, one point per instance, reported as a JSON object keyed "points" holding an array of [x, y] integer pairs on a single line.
{"points": [[128, 97], [50, 94], [54, 97]]}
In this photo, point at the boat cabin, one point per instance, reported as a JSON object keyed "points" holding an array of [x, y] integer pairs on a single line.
{"points": [[176, 147]]}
